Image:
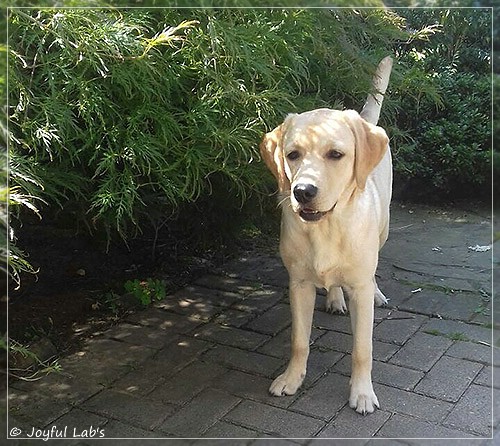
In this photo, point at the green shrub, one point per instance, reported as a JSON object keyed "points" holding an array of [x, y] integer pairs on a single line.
{"points": [[442, 143], [126, 116], [451, 152]]}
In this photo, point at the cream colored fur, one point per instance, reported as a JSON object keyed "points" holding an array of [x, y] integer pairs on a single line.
{"points": [[332, 240]]}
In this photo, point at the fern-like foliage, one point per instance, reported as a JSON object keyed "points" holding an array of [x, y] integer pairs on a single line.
{"points": [[126, 110]]}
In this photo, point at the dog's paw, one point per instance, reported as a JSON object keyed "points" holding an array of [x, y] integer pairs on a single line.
{"points": [[363, 401], [335, 302], [286, 384]]}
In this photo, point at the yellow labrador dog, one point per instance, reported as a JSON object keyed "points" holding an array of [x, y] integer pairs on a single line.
{"points": [[334, 174]]}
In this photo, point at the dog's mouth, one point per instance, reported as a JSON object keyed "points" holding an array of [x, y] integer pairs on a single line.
{"points": [[307, 214]]}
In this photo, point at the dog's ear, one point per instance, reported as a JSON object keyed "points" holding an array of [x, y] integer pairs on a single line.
{"points": [[371, 145], [272, 154]]}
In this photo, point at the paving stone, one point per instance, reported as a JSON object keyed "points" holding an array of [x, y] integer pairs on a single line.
{"points": [[199, 414], [259, 301], [279, 345], [398, 331], [319, 362], [272, 321], [459, 306], [342, 342], [194, 294], [212, 364], [253, 387], [274, 421], [117, 429], [473, 412], [104, 360], [335, 322], [383, 351], [233, 318], [390, 374], [24, 425], [488, 378], [349, 424], [139, 412], [79, 420], [244, 360], [198, 302], [410, 403], [188, 382], [226, 283], [34, 409], [164, 320], [325, 398], [471, 351], [139, 335], [259, 268], [166, 362], [58, 390], [98, 364], [223, 429], [422, 351], [457, 328], [414, 428], [231, 336], [449, 378], [335, 340]]}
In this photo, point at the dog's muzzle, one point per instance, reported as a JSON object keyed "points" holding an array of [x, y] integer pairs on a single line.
{"points": [[304, 193]]}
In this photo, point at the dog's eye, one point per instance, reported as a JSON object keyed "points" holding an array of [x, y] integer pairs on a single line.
{"points": [[294, 155], [334, 155]]}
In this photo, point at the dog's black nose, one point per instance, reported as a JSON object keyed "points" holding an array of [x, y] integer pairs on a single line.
{"points": [[304, 193]]}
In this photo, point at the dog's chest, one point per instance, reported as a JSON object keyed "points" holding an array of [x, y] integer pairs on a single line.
{"points": [[325, 265], [311, 259]]}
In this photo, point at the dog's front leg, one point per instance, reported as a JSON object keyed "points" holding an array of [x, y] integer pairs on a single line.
{"points": [[302, 297], [362, 397]]}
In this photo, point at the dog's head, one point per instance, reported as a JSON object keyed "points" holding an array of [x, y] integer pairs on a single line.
{"points": [[317, 155]]}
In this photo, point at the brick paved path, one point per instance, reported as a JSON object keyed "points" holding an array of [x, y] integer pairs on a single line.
{"points": [[199, 363]]}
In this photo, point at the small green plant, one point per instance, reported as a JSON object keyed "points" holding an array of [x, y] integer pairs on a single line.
{"points": [[146, 291], [33, 372], [109, 301]]}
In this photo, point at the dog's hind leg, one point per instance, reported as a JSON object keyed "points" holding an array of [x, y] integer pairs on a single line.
{"points": [[335, 301], [380, 299]]}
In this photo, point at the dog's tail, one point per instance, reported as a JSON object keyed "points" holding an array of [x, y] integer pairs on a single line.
{"points": [[373, 104]]}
